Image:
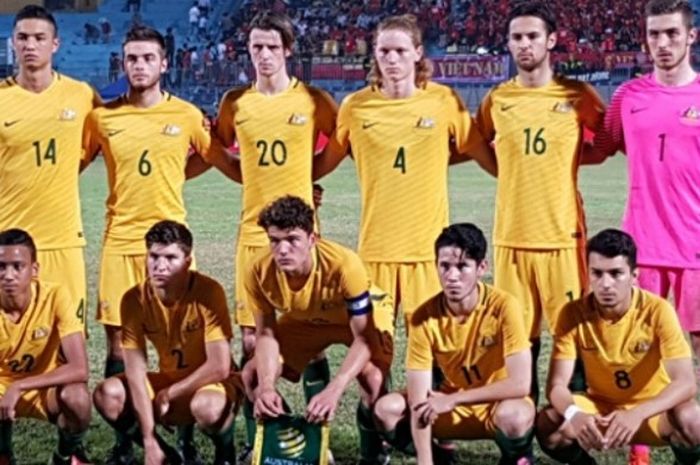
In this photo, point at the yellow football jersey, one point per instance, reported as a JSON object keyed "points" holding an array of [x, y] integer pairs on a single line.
{"points": [[401, 149], [537, 133], [32, 345], [338, 279], [277, 136], [40, 151], [470, 354], [145, 152], [622, 359], [180, 333]]}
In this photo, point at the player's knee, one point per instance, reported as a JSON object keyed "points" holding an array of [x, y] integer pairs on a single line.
{"points": [[75, 398], [688, 419], [207, 408], [389, 410], [515, 418], [109, 398]]}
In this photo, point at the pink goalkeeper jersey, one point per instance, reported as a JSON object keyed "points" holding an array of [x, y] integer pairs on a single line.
{"points": [[659, 129]]}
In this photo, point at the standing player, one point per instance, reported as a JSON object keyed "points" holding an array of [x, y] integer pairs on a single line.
{"points": [[184, 315], [43, 362], [663, 204], [276, 121], [144, 136], [475, 334], [401, 130], [535, 121], [323, 295], [40, 150], [637, 363]]}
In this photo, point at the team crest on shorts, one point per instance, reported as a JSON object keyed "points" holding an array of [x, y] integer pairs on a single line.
{"points": [[171, 130], [488, 341], [425, 123], [297, 119], [641, 347], [193, 325], [67, 114], [40, 333]]}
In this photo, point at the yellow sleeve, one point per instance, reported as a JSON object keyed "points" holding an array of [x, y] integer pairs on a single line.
{"points": [[254, 295], [419, 353], [591, 108], [68, 321], [200, 139], [672, 342], [326, 112], [91, 140], [484, 122], [132, 320], [340, 138], [460, 121], [513, 328], [224, 124], [564, 343], [217, 322], [355, 280]]}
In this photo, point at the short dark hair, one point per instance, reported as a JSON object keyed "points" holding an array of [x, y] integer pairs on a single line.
{"points": [[144, 34], [36, 12], [536, 8], [168, 232], [271, 21], [466, 237], [611, 243], [287, 212], [666, 7], [18, 237]]}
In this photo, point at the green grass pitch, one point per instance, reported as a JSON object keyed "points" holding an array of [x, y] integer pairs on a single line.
{"points": [[214, 204]]}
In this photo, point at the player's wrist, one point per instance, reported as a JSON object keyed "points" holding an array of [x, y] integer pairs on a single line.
{"points": [[570, 412]]}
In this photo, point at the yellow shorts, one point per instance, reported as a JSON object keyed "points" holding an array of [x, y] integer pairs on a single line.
{"points": [[66, 267], [468, 422], [648, 433], [542, 280], [300, 341], [244, 255], [410, 284], [118, 274], [32, 404], [179, 412]]}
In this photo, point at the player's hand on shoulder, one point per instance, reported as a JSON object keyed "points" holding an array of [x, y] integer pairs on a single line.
{"points": [[621, 426], [323, 405], [268, 404], [585, 429]]}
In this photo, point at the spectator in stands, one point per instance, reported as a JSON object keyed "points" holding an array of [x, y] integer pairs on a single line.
{"points": [[170, 46], [106, 29], [194, 19], [203, 22], [91, 33], [115, 65], [204, 7]]}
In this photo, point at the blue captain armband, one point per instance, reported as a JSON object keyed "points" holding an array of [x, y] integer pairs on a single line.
{"points": [[360, 305]]}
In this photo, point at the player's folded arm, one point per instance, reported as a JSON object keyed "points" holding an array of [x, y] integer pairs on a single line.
{"points": [[135, 369], [419, 384]]}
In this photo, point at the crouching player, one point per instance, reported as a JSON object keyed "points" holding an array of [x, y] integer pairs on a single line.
{"points": [[476, 336], [322, 292], [43, 362], [184, 315], [638, 366]]}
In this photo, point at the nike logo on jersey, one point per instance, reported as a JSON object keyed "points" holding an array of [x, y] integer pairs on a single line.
{"points": [[507, 107], [637, 110], [11, 123], [367, 125], [114, 132], [241, 121]]}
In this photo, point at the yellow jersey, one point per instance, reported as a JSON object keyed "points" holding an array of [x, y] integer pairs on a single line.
{"points": [[179, 333], [32, 345], [623, 359], [337, 288], [277, 136], [537, 135], [471, 353], [401, 149], [145, 152], [40, 151]]}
